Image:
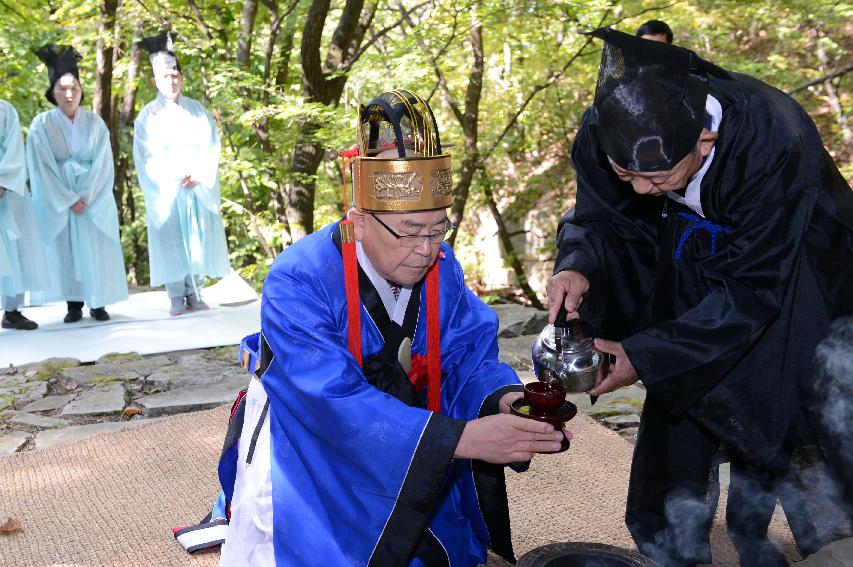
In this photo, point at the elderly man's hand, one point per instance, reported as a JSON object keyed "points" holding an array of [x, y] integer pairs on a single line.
{"points": [[568, 288], [504, 438], [616, 374]]}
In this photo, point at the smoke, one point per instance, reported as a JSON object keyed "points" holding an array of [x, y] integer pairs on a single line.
{"points": [[834, 388], [685, 539]]}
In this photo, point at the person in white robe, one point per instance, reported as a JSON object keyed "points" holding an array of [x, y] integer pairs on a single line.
{"points": [[23, 267], [176, 154], [71, 171]]}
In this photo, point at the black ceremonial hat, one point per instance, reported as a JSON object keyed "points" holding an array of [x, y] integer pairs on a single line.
{"points": [[160, 50], [60, 60], [650, 99]]}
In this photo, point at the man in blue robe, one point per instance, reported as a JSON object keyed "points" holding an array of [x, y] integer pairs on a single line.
{"points": [[23, 267], [716, 296], [176, 153], [394, 458], [71, 174]]}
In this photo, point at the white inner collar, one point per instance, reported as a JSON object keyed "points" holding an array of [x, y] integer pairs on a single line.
{"points": [[693, 194], [396, 308]]}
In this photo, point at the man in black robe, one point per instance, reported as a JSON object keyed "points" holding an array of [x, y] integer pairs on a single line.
{"points": [[716, 295]]}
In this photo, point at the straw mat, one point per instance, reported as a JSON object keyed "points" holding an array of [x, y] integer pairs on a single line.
{"points": [[110, 500]]}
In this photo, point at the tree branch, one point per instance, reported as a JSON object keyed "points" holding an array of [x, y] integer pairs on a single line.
{"points": [[843, 71], [548, 82], [347, 65]]}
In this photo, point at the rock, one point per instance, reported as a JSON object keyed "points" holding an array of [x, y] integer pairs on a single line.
{"points": [[193, 398], [622, 421], [100, 374], [33, 420], [49, 403], [103, 399], [518, 320], [117, 368], [120, 357], [13, 392], [66, 435], [836, 554], [193, 370], [516, 352], [11, 442], [49, 368]]}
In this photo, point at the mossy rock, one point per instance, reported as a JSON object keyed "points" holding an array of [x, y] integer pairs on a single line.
{"points": [[6, 401], [50, 368], [117, 357]]}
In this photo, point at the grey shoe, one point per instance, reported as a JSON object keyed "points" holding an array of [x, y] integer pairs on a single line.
{"points": [[178, 307], [194, 304]]}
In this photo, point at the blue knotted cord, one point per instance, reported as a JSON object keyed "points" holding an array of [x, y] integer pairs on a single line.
{"points": [[699, 223]]}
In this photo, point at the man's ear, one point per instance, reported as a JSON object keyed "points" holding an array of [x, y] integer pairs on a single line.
{"points": [[357, 218], [706, 142]]}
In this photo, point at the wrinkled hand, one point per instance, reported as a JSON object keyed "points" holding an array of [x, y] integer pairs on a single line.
{"points": [[507, 399], [80, 206], [616, 374], [503, 438], [567, 287], [187, 182]]}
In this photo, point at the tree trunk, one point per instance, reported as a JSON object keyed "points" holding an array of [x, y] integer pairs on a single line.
{"points": [[470, 124], [509, 250], [321, 84], [104, 61], [124, 172], [247, 27]]}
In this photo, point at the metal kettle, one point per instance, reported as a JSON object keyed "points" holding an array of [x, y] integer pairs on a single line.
{"points": [[563, 353]]}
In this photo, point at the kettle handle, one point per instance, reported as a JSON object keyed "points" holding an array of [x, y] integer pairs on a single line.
{"points": [[562, 315]]}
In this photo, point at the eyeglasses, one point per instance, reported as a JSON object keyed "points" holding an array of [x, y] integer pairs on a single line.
{"points": [[415, 240]]}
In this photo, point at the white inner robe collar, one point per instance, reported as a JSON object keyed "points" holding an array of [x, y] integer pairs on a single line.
{"points": [[693, 194], [396, 308]]}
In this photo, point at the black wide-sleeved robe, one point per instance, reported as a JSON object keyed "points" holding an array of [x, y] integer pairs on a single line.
{"points": [[719, 312]]}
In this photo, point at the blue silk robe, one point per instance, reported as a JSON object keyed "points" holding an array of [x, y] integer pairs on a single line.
{"points": [[185, 233], [356, 475], [67, 161], [23, 266]]}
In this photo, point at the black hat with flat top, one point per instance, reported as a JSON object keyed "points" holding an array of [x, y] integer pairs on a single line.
{"points": [[650, 98], [161, 52], [60, 60]]}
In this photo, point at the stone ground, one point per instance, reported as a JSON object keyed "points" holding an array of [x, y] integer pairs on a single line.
{"points": [[57, 401]]}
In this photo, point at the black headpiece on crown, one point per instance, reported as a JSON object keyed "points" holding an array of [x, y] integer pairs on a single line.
{"points": [[161, 51], [650, 100], [398, 119], [60, 60], [418, 178]]}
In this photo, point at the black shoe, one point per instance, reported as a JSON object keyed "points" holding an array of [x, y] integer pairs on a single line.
{"points": [[99, 314], [16, 320], [73, 315]]}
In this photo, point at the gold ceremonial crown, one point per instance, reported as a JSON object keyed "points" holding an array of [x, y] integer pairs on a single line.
{"points": [[419, 178]]}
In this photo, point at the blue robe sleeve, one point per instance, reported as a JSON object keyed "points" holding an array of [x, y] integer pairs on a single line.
{"points": [[339, 444], [47, 180], [13, 166], [97, 179]]}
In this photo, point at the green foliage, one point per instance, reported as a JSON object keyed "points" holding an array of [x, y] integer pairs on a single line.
{"points": [[526, 47]]}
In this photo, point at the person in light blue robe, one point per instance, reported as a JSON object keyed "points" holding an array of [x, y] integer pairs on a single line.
{"points": [[70, 163], [23, 267], [176, 153]]}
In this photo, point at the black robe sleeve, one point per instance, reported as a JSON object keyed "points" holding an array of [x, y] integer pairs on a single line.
{"points": [[610, 237]]}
